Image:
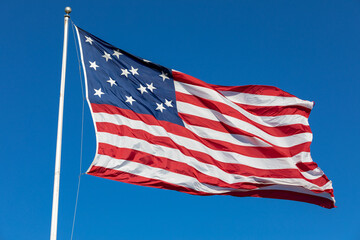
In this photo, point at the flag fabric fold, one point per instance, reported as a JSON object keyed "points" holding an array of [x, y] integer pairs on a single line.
{"points": [[162, 128]]}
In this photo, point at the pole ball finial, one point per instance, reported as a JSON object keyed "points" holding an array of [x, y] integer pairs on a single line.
{"points": [[68, 10]]}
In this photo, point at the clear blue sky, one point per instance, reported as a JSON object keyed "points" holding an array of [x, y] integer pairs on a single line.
{"points": [[308, 48]]}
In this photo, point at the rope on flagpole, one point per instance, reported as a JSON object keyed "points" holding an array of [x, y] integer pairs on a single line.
{"points": [[82, 133]]}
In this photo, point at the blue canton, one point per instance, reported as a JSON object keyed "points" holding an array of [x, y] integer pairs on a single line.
{"points": [[118, 78]]}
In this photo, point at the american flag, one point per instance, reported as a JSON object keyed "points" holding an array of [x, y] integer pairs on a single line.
{"points": [[161, 128]]}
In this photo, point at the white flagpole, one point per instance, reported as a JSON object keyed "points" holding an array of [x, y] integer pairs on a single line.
{"points": [[55, 205]]}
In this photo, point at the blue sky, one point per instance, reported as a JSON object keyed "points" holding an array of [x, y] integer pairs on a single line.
{"points": [[308, 48]]}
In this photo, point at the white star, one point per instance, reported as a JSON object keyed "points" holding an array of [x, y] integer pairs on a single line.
{"points": [[160, 107], [168, 103], [142, 89], [117, 54], [134, 70], [98, 92], [130, 99], [164, 76], [125, 72], [93, 65], [111, 81], [150, 87], [106, 56], [89, 40]]}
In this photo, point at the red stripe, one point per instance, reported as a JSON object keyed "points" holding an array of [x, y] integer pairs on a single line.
{"points": [[143, 181], [280, 131], [138, 180], [231, 168], [275, 110], [306, 166], [170, 165], [252, 89], [286, 195], [255, 89]]}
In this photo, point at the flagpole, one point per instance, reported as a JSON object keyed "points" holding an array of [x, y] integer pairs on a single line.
{"points": [[55, 204]]}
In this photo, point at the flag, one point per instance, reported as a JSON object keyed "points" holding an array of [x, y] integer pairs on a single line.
{"points": [[161, 128]]}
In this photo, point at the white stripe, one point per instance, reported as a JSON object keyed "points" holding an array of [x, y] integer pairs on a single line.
{"points": [[301, 190], [221, 156], [313, 174], [286, 141], [264, 100], [183, 180], [213, 95], [284, 120], [241, 140]]}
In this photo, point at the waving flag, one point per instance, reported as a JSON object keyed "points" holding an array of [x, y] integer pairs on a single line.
{"points": [[162, 128]]}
